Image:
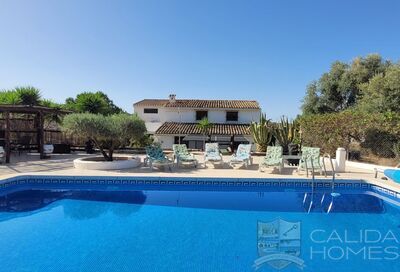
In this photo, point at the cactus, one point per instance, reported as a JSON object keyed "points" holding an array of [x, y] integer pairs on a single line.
{"points": [[261, 133], [285, 132]]}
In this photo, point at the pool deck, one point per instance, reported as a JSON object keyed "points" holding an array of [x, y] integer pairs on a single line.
{"points": [[62, 165]]}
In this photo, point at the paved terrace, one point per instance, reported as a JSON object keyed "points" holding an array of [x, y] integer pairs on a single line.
{"points": [[30, 164]]}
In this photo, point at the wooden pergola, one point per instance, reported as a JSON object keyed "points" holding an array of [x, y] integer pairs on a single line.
{"points": [[39, 112]]}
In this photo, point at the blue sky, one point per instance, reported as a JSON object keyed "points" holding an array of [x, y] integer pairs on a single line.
{"points": [[263, 50]]}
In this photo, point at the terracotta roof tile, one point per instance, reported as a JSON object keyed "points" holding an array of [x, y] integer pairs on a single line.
{"points": [[198, 103], [152, 102], [192, 128]]}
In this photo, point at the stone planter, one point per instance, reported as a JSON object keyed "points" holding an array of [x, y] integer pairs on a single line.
{"points": [[98, 163]]}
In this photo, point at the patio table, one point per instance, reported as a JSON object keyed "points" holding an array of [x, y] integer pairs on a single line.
{"points": [[291, 157]]}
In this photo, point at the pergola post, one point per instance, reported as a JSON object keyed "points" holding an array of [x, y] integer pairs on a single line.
{"points": [[7, 137], [40, 134]]}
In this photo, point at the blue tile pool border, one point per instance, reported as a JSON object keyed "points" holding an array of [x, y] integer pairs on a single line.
{"points": [[185, 183]]}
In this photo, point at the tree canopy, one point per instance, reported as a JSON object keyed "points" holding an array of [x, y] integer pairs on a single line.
{"points": [[347, 86], [97, 103], [382, 92], [107, 132], [26, 95], [91, 102]]}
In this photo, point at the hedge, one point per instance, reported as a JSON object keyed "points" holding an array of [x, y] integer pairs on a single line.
{"points": [[333, 130]]}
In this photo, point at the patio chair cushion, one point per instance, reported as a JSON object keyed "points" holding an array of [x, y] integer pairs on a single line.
{"points": [[310, 154], [273, 156], [156, 154], [212, 148], [182, 153], [213, 157], [212, 152], [187, 157], [242, 153]]}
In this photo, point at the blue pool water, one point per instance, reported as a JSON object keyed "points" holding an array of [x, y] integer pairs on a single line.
{"points": [[75, 230]]}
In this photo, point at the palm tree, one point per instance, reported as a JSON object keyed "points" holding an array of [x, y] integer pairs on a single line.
{"points": [[204, 125], [29, 95], [10, 97]]}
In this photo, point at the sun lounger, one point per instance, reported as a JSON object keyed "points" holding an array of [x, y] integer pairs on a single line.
{"points": [[310, 159], [182, 155], [242, 155], [273, 157], [156, 157], [212, 154]]}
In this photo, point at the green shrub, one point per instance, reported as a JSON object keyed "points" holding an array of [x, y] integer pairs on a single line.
{"points": [[330, 131], [143, 141]]}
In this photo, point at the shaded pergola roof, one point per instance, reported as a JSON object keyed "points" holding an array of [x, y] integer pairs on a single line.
{"points": [[31, 109], [193, 128], [39, 111]]}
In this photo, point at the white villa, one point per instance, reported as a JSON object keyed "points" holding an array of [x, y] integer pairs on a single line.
{"points": [[175, 120]]}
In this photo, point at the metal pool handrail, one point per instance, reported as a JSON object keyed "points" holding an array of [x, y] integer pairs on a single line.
{"points": [[332, 167], [312, 183]]}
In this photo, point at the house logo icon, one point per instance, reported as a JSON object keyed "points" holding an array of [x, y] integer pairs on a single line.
{"points": [[278, 244]]}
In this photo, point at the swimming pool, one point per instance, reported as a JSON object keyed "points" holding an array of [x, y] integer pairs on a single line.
{"points": [[177, 224]]}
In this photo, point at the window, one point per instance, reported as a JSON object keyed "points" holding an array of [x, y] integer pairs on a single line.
{"points": [[232, 116], [201, 115], [195, 145], [150, 110], [179, 139]]}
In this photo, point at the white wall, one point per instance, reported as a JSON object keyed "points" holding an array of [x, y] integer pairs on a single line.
{"points": [[152, 120], [249, 116], [189, 115], [166, 141], [179, 115], [149, 117]]}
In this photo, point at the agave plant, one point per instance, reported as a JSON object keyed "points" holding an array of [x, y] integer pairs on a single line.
{"points": [[261, 133], [285, 132]]}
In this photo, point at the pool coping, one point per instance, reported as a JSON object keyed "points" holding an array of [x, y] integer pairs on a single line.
{"points": [[203, 183]]}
